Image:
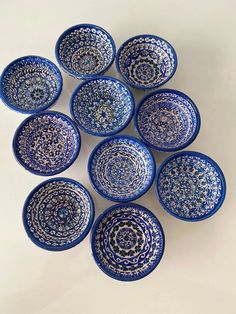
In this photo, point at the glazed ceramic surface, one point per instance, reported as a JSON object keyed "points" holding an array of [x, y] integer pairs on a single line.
{"points": [[85, 51], [146, 61], [190, 186], [127, 242], [30, 84], [58, 214], [121, 168], [46, 143], [102, 106], [167, 120]]}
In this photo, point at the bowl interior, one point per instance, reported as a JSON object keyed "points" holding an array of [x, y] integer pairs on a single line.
{"points": [[30, 84], [121, 168], [102, 106], [85, 50], [167, 120], [146, 61], [46, 143]]}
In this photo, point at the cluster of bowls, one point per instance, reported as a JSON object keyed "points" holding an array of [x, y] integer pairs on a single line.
{"points": [[127, 239]]}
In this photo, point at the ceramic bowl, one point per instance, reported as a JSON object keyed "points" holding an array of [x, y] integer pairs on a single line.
{"points": [[85, 50], [102, 106], [167, 120], [30, 84], [58, 214], [46, 143], [121, 168], [190, 186], [146, 61], [127, 242]]}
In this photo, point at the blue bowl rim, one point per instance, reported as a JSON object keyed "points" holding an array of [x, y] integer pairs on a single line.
{"points": [[64, 246], [204, 157], [53, 113], [138, 86], [42, 108], [69, 30], [105, 78], [92, 241], [115, 199], [179, 93]]}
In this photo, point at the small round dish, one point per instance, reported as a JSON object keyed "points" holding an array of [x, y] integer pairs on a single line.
{"points": [[127, 242], [167, 120], [121, 168], [30, 84], [46, 143], [190, 186], [85, 50], [58, 214], [102, 106], [146, 61]]}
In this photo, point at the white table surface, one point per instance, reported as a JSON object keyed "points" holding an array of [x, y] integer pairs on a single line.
{"points": [[198, 271]]}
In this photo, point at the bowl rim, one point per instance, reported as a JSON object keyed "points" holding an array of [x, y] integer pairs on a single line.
{"points": [[42, 108], [64, 246], [206, 158], [31, 117], [92, 240], [69, 30], [181, 94], [104, 78], [138, 86], [152, 164]]}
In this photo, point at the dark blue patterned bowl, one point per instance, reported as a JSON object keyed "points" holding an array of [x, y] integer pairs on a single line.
{"points": [[58, 214], [121, 168], [146, 61], [127, 242], [190, 186], [85, 50], [167, 120], [46, 143], [30, 84], [102, 106]]}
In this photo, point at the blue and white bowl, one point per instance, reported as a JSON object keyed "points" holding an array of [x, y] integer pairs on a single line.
{"points": [[146, 61], [46, 143], [127, 242], [30, 84], [58, 214], [121, 168], [167, 120], [190, 186], [102, 106], [85, 51]]}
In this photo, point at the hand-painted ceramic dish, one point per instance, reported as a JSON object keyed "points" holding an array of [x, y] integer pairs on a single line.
{"points": [[58, 214], [167, 120], [30, 84], [85, 50], [127, 242], [46, 143], [121, 168], [102, 106], [146, 61], [190, 186]]}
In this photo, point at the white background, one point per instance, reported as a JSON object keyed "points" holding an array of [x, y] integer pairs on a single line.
{"points": [[198, 271]]}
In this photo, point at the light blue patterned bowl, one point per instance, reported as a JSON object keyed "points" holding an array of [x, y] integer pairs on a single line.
{"points": [[58, 214], [146, 61], [190, 186], [127, 242], [30, 84], [46, 143], [121, 168], [167, 120], [85, 51], [102, 106]]}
